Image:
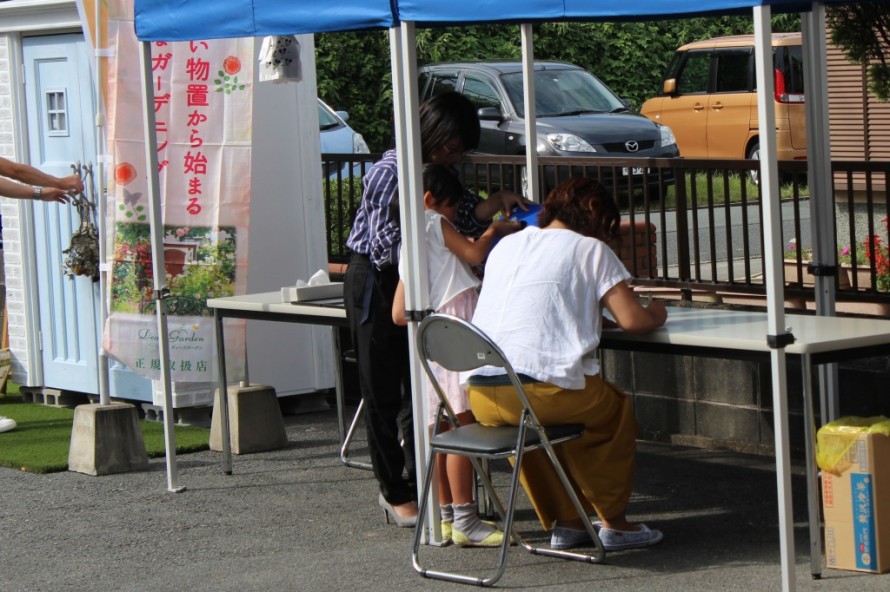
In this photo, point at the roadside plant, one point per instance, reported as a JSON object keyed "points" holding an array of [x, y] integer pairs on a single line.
{"points": [[792, 251], [878, 253]]}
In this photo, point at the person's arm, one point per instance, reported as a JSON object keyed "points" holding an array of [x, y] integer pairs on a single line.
{"points": [[630, 315], [31, 176], [475, 214], [500, 201], [384, 233], [18, 191], [398, 305], [474, 252]]}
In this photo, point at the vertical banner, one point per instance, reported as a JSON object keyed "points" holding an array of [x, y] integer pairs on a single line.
{"points": [[203, 108]]}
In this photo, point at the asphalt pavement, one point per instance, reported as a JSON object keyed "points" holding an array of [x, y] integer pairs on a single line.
{"points": [[297, 519]]}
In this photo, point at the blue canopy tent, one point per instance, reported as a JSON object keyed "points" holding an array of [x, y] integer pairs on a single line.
{"points": [[177, 20]]}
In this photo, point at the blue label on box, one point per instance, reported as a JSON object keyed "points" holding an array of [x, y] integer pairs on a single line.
{"points": [[863, 520]]}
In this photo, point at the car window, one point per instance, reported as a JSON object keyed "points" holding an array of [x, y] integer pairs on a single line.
{"points": [[481, 93], [422, 80], [693, 76], [732, 71], [563, 92], [792, 68], [326, 119], [442, 83]]}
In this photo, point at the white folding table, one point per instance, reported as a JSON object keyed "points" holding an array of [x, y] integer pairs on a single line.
{"points": [[707, 332], [734, 334], [267, 306]]}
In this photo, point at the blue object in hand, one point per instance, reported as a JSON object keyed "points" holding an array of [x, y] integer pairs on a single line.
{"points": [[530, 217]]}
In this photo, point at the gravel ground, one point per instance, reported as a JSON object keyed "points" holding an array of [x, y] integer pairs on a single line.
{"points": [[296, 519]]}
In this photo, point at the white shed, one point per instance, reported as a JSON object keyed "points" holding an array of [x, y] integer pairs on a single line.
{"points": [[54, 328]]}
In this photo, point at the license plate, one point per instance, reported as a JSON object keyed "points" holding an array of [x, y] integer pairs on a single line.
{"points": [[634, 171]]}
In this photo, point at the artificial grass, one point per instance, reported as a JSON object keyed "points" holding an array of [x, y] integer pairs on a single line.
{"points": [[39, 443]]}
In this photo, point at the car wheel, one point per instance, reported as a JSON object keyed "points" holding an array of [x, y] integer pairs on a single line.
{"points": [[754, 154]]}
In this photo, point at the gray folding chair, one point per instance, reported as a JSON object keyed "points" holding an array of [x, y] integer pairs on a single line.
{"points": [[459, 346]]}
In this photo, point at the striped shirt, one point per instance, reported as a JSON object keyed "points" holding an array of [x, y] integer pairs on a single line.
{"points": [[376, 233]]}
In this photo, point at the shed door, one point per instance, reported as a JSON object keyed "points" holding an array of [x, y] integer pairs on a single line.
{"points": [[61, 132]]}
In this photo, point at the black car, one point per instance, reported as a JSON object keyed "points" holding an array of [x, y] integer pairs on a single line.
{"points": [[577, 114]]}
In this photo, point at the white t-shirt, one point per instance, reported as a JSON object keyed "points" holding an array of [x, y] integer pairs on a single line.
{"points": [[448, 275], [540, 302]]}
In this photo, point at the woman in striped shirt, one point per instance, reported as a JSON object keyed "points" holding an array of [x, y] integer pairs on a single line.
{"points": [[449, 128]]}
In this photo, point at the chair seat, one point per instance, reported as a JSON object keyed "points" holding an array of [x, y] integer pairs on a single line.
{"points": [[493, 441]]}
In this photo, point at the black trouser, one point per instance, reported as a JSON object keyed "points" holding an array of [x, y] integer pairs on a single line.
{"points": [[381, 350]]}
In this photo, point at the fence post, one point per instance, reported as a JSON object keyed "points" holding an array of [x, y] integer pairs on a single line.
{"points": [[682, 221]]}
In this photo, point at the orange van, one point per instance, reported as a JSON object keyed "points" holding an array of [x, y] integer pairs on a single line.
{"points": [[709, 98]]}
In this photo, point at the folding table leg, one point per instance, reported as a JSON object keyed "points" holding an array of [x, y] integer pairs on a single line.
{"points": [[812, 474], [345, 434]]}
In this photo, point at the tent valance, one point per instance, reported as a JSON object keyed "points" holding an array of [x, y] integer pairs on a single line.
{"points": [[176, 20]]}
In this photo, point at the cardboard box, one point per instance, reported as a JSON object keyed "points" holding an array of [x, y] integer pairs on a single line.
{"points": [[855, 464]]}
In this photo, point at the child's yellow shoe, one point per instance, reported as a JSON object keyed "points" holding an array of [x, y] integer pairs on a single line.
{"points": [[495, 539], [446, 531]]}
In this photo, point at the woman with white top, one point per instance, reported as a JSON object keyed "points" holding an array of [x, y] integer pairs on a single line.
{"points": [[542, 302]]}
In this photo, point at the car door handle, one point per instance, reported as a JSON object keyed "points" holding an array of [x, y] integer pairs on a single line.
{"points": [[717, 106], [698, 107]]}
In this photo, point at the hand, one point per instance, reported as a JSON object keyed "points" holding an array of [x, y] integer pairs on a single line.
{"points": [[55, 194], [511, 200], [72, 184]]}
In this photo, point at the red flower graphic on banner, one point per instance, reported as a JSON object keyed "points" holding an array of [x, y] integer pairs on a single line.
{"points": [[228, 79], [124, 173], [231, 65]]}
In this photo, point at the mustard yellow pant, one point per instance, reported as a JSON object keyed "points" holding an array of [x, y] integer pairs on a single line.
{"points": [[600, 464]]}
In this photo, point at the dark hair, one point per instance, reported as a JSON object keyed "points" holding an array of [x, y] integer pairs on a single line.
{"points": [[584, 206], [441, 181], [446, 116]]}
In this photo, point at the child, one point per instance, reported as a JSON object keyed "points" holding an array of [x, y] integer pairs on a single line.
{"points": [[453, 290]]}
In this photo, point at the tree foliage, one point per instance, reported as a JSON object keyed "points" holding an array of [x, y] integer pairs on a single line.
{"points": [[862, 31], [354, 72]]}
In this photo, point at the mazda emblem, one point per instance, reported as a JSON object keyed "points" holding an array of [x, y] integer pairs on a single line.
{"points": [[632, 145]]}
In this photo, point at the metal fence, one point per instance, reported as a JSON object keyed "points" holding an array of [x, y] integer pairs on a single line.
{"points": [[705, 217]]}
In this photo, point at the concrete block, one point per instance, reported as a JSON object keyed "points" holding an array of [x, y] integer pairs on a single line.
{"points": [[727, 422], [52, 397], [663, 374], [106, 439], [185, 416], [729, 381], [660, 417], [255, 420]]}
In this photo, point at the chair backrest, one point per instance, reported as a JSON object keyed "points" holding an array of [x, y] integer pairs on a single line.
{"points": [[457, 345]]}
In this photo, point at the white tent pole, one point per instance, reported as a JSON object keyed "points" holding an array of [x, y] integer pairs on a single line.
{"points": [[157, 256], [531, 128], [98, 177], [95, 178], [413, 236], [778, 335], [815, 58]]}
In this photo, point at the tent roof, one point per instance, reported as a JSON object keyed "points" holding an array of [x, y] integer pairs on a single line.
{"points": [[176, 20]]}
